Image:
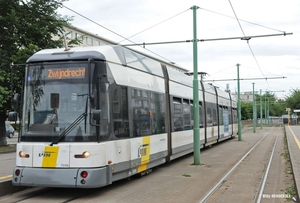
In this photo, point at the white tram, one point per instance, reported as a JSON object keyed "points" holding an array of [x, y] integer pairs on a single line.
{"points": [[94, 115]]}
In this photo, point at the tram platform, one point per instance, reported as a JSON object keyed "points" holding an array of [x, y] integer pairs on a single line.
{"points": [[293, 140]]}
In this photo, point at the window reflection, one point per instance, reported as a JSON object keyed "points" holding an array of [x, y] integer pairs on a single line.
{"points": [[54, 98], [183, 115], [148, 112], [120, 112]]}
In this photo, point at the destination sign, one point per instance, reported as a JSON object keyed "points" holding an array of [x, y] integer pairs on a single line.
{"points": [[65, 73]]}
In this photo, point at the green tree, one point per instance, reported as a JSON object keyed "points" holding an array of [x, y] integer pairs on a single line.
{"points": [[26, 27], [246, 110], [276, 107], [293, 100]]}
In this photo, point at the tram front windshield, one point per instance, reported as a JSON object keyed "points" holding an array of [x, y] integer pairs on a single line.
{"points": [[55, 96]]}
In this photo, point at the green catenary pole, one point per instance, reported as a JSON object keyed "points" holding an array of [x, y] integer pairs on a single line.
{"points": [[196, 91], [260, 111], [265, 110], [239, 104], [268, 111], [254, 120]]}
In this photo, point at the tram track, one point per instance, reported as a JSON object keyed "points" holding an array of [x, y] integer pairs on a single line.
{"points": [[55, 195], [242, 182], [50, 195], [263, 183], [231, 179]]}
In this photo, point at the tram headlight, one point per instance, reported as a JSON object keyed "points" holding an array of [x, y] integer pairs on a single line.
{"points": [[23, 155], [85, 154]]}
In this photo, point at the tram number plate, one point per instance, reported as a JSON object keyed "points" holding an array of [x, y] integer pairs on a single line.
{"points": [[64, 165]]}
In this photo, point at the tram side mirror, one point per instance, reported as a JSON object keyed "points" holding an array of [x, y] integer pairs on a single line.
{"points": [[96, 113], [16, 101], [54, 100], [12, 116]]}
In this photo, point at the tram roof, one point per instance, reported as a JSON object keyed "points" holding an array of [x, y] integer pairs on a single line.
{"points": [[105, 52]]}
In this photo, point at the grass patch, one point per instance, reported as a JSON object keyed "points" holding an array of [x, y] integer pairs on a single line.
{"points": [[7, 148], [291, 190], [186, 175]]}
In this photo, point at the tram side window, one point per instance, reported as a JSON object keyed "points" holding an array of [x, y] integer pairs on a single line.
{"points": [[209, 116], [157, 118], [177, 116], [201, 115], [148, 112], [104, 106], [229, 116], [186, 117], [214, 117], [221, 115], [120, 112], [178, 120], [192, 114], [140, 112], [235, 119], [225, 117], [182, 118]]}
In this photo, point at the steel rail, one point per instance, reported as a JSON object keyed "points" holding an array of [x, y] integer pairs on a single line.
{"points": [[267, 172], [210, 192]]}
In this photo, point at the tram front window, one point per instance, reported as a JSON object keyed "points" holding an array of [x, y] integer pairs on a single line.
{"points": [[55, 97]]}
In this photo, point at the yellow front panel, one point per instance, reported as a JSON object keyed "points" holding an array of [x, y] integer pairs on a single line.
{"points": [[50, 156]]}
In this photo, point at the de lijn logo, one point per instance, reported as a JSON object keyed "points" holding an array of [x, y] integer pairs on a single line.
{"points": [[45, 154], [142, 150]]}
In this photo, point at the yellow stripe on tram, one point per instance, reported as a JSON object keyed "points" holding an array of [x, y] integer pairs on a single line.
{"points": [[295, 137], [50, 156], [145, 154]]}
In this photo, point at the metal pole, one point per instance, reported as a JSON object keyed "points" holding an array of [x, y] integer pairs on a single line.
{"points": [[254, 120], [239, 104], [268, 111], [255, 112], [265, 110], [196, 91], [260, 111]]}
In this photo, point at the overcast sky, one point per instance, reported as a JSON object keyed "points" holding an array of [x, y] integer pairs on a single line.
{"points": [[277, 56]]}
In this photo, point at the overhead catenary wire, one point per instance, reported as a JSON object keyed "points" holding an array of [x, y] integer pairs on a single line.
{"points": [[265, 72], [265, 78], [242, 20], [125, 38], [208, 11], [95, 23], [142, 45], [237, 18], [205, 40], [247, 42], [155, 25]]}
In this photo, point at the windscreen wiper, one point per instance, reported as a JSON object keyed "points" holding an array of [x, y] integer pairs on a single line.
{"points": [[72, 126]]}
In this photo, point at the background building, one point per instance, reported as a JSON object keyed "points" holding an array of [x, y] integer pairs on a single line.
{"points": [[86, 38], [245, 96]]}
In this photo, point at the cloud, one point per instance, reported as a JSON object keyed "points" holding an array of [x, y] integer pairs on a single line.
{"points": [[278, 55]]}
